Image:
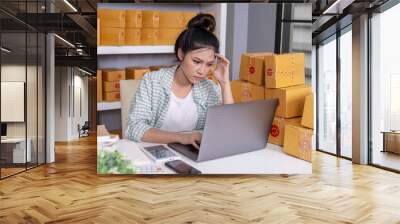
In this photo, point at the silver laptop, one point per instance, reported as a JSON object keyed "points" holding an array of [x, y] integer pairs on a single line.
{"points": [[232, 129]]}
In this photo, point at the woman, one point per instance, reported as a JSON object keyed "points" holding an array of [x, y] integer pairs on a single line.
{"points": [[171, 104]]}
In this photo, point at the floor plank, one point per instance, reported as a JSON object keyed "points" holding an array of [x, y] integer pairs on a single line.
{"points": [[70, 191]]}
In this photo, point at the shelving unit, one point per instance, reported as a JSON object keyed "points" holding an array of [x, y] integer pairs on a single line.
{"points": [[159, 49]]}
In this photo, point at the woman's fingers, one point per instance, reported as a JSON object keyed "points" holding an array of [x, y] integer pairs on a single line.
{"points": [[220, 56], [194, 143]]}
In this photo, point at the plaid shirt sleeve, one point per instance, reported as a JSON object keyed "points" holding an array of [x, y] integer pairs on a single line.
{"points": [[215, 96], [139, 116]]}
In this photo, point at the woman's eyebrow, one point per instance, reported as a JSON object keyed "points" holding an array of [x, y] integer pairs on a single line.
{"points": [[202, 60]]}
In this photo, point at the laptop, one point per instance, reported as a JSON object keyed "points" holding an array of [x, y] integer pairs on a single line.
{"points": [[232, 129]]}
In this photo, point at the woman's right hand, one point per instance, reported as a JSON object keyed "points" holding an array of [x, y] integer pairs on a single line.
{"points": [[191, 138]]}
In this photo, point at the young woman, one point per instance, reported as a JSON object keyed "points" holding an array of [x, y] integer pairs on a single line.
{"points": [[170, 105]]}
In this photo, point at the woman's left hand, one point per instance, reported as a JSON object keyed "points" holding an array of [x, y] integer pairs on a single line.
{"points": [[221, 72]]}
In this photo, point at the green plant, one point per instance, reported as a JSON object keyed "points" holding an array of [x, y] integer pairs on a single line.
{"points": [[113, 162]]}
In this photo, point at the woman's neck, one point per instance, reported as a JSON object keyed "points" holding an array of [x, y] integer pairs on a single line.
{"points": [[181, 80]]}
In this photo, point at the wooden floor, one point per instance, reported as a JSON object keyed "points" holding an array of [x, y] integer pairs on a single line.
{"points": [[70, 191]]}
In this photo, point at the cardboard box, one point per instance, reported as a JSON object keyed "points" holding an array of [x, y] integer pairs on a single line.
{"points": [[111, 18], [168, 36], [291, 100], [133, 18], [149, 36], [111, 96], [277, 131], [150, 19], [157, 67], [113, 75], [171, 20], [284, 70], [99, 86], [244, 91], [111, 36], [187, 16], [298, 142], [132, 36], [392, 142], [136, 73], [252, 67], [113, 86], [308, 112]]}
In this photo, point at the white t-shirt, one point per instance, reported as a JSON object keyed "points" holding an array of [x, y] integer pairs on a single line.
{"points": [[181, 115]]}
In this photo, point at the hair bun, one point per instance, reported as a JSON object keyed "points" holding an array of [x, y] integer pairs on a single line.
{"points": [[203, 21]]}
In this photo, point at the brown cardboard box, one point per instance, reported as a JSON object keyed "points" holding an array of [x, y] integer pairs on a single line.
{"points": [[291, 100], [133, 19], [277, 131], [188, 16], [157, 67], [99, 86], [111, 86], [113, 75], [111, 18], [171, 20], [112, 36], [284, 70], [111, 96], [150, 19], [167, 36], [98, 32], [136, 73], [392, 142], [149, 36], [244, 91], [132, 36], [308, 112], [252, 67], [297, 142]]}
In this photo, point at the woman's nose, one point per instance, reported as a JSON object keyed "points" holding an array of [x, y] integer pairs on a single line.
{"points": [[202, 70]]}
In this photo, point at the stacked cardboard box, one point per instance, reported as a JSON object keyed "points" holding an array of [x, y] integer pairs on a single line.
{"points": [[250, 87], [284, 80], [141, 27], [136, 72], [111, 86]]}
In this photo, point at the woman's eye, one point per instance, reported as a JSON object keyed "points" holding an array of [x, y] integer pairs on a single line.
{"points": [[196, 62]]}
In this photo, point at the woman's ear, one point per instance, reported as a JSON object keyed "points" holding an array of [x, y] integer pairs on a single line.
{"points": [[180, 54]]}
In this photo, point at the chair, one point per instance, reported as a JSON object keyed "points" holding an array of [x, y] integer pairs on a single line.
{"points": [[127, 91], [84, 129]]}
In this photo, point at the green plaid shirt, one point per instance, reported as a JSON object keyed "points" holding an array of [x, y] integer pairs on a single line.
{"points": [[150, 104]]}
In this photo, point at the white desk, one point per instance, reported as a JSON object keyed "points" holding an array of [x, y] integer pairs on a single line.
{"points": [[270, 160], [19, 149]]}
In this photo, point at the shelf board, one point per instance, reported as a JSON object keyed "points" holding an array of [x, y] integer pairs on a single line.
{"points": [[102, 106], [153, 49]]}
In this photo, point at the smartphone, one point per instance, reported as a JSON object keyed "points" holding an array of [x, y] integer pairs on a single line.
{"points": [[181, 167]]}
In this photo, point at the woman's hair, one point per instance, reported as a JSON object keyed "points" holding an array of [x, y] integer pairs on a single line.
{"points": [[198, 34]]}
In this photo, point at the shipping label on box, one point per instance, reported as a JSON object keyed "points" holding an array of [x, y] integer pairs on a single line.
{"points": [[291, 100], [284, 70], [244, 91], [298, 142], [277, 131]]}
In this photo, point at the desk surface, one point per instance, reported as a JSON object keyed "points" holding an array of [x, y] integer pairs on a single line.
{"points": [[270, 160], [14, 140]]}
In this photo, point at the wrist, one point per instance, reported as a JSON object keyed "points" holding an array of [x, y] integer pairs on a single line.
{"points": [[224, 82]]}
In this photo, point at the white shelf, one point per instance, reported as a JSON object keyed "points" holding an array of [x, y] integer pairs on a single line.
{"points": [[154, 49], [102, 106]]}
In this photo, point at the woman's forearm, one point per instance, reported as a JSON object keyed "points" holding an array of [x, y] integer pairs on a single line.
{"points": [[227, 97], [155, 135]]}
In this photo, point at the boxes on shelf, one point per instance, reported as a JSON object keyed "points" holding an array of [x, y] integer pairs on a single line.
{"points": [[111, 18], [167, 36], [308, 112], [132, 36], [298, 142], [157, 67], [171, 19], [188, 16], [133, 18], [277, 131], [283, 70], [136, 72], [291, 100], [150, 19], [113, 74], [244, 91], [99, 86], [113, 86], [111, 36], [252, 67], [149, 36], [111, 96]]}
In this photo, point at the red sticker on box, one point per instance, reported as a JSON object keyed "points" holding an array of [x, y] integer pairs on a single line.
{"points": [[252, 70], [269, 72], [274, 130]]}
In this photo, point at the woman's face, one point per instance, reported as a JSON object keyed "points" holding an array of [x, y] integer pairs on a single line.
{"points": [[197, 64]]}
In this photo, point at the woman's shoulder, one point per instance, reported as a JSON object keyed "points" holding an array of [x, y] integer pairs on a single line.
{"points": [[159, 74]]}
